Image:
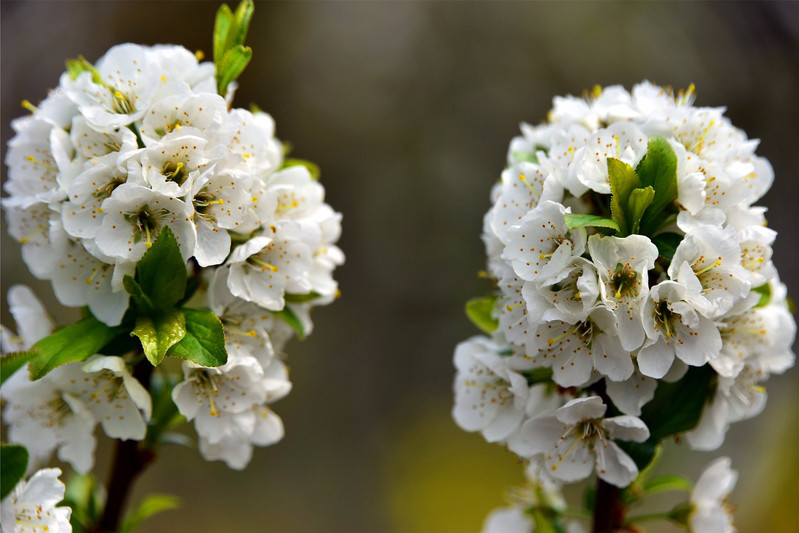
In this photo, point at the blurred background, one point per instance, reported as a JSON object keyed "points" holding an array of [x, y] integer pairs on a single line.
{"points": [[408, 108]]}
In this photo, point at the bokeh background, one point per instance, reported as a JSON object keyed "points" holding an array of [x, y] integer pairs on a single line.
{"points": [[408, 108]]}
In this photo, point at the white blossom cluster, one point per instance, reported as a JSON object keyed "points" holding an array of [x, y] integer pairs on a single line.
{"points": [[31, 505], [587, 305], [119, 150]]}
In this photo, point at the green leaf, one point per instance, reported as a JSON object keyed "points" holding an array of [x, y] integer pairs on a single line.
{"points": [[480, 312], [158, 334], [641, 453], [288, 316], [574, 221], [151, 505], [161, 272], [13, 464], [666, 483], [11, 362], [224, 20], [667, 244], [142, 301], [86, 496], [623, 181], [302, 298], [677, 406], [636, 205], [765, 295], [73, 343], [242, 18], [233, 64], [658, 169], [204, 342], [313, 168]]}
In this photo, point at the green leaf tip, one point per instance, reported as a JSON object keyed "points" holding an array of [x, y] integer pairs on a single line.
{"points": [[204, 340], [575, 220], [230, 54], [13, 464], [159, 334], [161, 272]]}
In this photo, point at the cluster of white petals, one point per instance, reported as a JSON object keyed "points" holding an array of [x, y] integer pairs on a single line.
{"points": [[142, 142], [585, 314], [31, 506], [119, 150]]}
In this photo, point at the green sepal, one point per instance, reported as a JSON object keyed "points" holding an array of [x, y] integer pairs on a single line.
{"points": [[313, 168], [765, 294], [658, 169], [11, 362], [623, 181], [525, 157], [667, 244], [151, 505], [204, 341], [13, 464], [159, 333], [74, 343], [538, 375], [639, 200], [302, 298], [666, 483], [481, 312], [575, 220], [161, 272], [77, 66], [288, 316]]}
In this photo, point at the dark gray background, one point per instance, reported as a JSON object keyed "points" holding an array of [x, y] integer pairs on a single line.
{"points": [[408, 108]]}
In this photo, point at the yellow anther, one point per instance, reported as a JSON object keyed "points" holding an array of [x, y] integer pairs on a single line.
{"points": [[200, 55], [618, 147], [514, 306], [91, 278], [29, 106], [163, 78], [338, 294], [523, 179], [246, 156], [41, 164], [544, 256], [709, 267], [254, 198], [753, 263], [147, 232], [559, 337], [700, 144], [596, 92], [119, 95], [32, 234]]}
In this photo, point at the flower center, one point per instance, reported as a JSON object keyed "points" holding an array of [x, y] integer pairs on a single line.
{"points": [[624, 281]]}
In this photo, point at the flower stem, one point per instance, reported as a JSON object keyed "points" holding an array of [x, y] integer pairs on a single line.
{"points": [[609, 510], [131, 458]]}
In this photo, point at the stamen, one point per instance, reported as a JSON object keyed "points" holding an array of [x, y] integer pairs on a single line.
{"points": [[37, 231], [709, 267], [753, 263], [515, 306], [523, 179], [264, 265], [29, 106], [566, 334], [39, 163]]}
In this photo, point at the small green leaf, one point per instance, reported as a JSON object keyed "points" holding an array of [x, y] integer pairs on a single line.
{"points": [[142, 301], [242, 18], [302, 298], [313, 168], [161, 272], [666, 483], [667, 244], [574, 221], [86, 496], [11, 362], [233, 64], [158, 334], [288, 316], [151, 505], [481, 312], [623, 181], [204, 342], [13, 464], [73, 343], [677, 406], [636, 205], [658, 169], [765, 295]]}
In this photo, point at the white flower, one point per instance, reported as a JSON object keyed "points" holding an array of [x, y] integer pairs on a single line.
{"points": [[673, 327], [264, 268], [31, 506], [489, 396], [541, 247], [711, 513], [576, 438], [622, 140], [623, 266], [508, 520]]}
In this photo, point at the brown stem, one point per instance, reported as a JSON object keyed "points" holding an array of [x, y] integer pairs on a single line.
{"points": [[608, 508], [130, 460]]}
